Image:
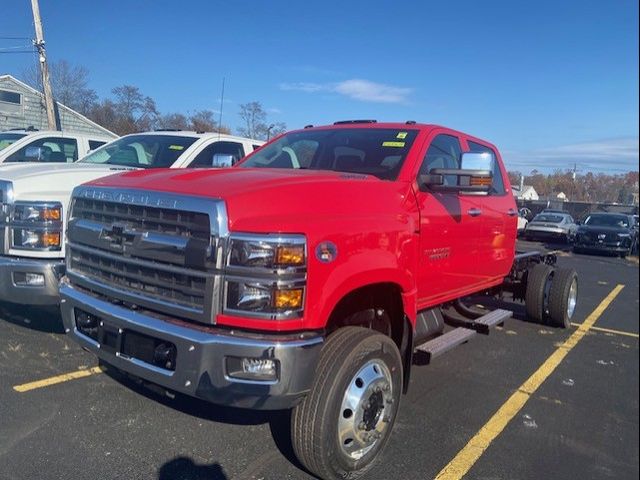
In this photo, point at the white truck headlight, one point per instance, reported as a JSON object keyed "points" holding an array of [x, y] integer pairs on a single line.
{"points": [[37, 212], [36, 226]]}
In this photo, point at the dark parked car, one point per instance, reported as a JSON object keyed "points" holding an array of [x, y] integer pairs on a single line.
{"points": [[607, 232]]}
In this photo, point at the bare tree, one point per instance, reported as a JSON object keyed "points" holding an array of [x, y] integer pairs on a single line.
{"points": [[172, 121], [136, 112], [204, 121], [70, 85], [255, 122]]}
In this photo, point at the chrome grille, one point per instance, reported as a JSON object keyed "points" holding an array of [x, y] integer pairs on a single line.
{"points": [[161, 252], [161, 220]]}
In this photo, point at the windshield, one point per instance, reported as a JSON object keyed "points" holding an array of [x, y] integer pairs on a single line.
{"points": [[607, 221], [141, 151], [371, 151], [7, 139], [544, 217]]}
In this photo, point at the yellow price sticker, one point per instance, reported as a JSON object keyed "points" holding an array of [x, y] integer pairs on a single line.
{"points": [[176, 147], [393, 144], [401, 135]]}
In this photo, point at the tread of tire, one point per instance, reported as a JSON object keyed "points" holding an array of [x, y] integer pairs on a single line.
{"points": [[534, 295], [557, 296]]}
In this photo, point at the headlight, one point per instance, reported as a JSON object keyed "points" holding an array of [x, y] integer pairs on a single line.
{"points": [[267, 251], [266, 275], [264, 298], [36, 239], [624, 235], [36, 226], [46, 212]]}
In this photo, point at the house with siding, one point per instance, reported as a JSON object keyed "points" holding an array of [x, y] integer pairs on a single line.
{"points": [[22, 106]]}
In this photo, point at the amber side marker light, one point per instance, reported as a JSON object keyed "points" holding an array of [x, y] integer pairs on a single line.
{"points": [[284, 299], [480, 182]]}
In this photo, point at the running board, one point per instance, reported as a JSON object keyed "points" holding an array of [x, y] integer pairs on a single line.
{"points": [[439, 345], [481, 324]]}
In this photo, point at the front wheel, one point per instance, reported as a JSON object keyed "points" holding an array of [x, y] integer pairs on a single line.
{"points": [[343, 424]]}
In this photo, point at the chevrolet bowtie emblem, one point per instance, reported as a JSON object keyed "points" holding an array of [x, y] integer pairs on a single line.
{"points": [[116, 235]]}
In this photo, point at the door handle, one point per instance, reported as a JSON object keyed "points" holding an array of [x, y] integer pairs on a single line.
{"points": [[474, 212], [512, 212]]}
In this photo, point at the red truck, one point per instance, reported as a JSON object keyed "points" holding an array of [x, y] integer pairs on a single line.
{"points": [[309, 277]]}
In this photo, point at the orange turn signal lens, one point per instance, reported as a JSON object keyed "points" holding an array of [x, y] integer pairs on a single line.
{"points": [[290, 255], [51, 239], [51, 214], [480, 181], [287, 298]]}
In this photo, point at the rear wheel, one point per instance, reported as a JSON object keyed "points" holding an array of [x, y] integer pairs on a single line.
{"points": [[563, 297], [537, 294], [343, 424]]}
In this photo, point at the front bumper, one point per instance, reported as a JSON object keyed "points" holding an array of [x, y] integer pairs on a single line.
{"points": [[602, 247], [202, 353], [47, 294], [546, 233]]}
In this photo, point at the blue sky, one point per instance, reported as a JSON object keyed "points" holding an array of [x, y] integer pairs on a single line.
{"points": [[551, 83]]}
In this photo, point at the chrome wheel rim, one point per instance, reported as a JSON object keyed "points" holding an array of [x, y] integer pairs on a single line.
{"points": [[572, 301], [366, 410]]}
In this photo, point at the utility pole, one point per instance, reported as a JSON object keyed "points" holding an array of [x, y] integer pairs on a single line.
{"points": [[44, 69]]}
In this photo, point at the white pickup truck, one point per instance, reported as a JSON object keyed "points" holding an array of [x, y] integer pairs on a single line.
{"points": [[34, 200], [48, 146]]}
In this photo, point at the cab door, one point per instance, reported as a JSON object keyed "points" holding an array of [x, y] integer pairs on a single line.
{"points": [[447, 263], [498, 218]]}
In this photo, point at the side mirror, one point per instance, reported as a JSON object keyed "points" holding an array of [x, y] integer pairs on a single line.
{"points": [[222, 160], [474, 175], [34, 152]]}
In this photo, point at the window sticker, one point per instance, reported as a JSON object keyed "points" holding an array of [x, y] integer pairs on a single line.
{"points": [[402, 135], [393, 144], [176, 147]]}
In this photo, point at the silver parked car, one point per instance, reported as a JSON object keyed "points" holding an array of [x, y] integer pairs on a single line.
{"points": [[556, 226]]}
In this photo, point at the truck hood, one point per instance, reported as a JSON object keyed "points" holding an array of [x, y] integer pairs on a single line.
{"points": [[285, 200], [38, 181]]}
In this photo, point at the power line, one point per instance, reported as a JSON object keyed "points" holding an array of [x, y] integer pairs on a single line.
{"points": [[15, 38]]}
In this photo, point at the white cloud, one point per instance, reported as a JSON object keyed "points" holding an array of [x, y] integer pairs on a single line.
{"points": [[357, 89], [305, 87], [613, 155]]}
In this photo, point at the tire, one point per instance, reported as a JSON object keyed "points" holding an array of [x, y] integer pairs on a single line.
{"points": [[623, 255], [563, 297], [577, 249], [348, 354], [537, 294]]}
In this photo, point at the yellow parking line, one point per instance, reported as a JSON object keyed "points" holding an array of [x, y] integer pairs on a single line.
{"points": [[610, 330], [469, 455], [65, 377]]}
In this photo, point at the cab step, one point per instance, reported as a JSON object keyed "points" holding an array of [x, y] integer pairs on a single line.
{"points": [[468, 329], [481, 324], [439, 345]]}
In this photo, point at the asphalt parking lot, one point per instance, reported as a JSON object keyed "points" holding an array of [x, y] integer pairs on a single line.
{"points": [[580, 421]]}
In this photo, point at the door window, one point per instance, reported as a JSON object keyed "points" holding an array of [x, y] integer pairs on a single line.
{"points": [[444, 152], [49, 149], [205, 158], [95, 144], [498, 181]]}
